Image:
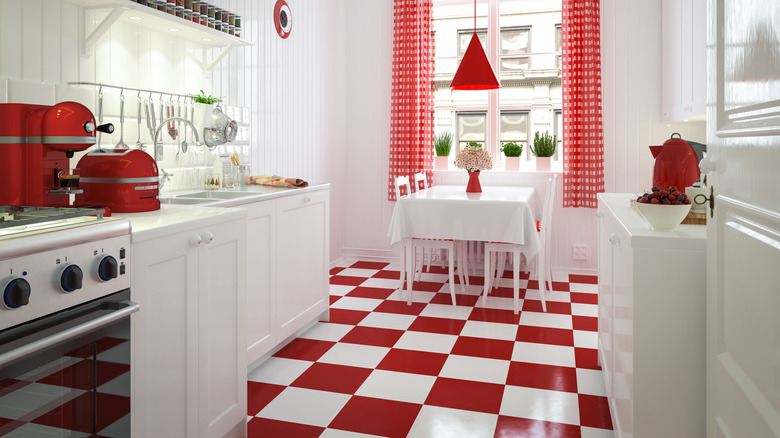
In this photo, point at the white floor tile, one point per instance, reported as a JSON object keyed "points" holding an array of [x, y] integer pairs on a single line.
{"points": [[356, 355], [388, 320], [33, 430], [540, 404], [422, 341], [500, 303], [325, 331], [478, 369], [418, 296], [509, 283], [435, 421], [305, 406], [336, 433], [590, 382], [532, 352], [489, 330], [340, 290], [545, 319], [446, 311], [356, 303], [382, 283], [279, 371], [590, 432], [585, 309], [550, 295], [584, 288], [358, 272], [586, 339], [33, 397], [435, 277], [391, 385]]}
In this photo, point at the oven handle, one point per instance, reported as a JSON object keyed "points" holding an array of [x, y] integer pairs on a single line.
{"points": [[125, 309]]}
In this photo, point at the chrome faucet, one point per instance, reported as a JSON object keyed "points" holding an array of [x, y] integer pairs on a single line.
{"points": [[172, 119]]}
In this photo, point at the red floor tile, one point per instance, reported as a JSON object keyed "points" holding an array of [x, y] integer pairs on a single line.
{"points": [[334, 298], [400, 307], [70, 415], [507, 292], [466, 394], [481, 347], [344, 316], [370, 292], [594, 411], [374, 416], [369, 265], [586, 358], [103, 344], [333, 378], [79, 375], [559, 286], [410, 361], [265, 428], [584, 298], [336, 270], [427, 286], [494, 315], [304, 349], [545, 335], [260, 394], [379, 337], [437, 325], [346, 280], [513, 427], [384, 273], [533, 375], [587, 279], [590, 323], [552, 307], [460, 300]]}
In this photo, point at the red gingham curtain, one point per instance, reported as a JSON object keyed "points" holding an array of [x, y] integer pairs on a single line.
{"points": [[411, 119], [583, 158]]}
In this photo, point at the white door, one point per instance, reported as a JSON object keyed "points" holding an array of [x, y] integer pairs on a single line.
{"points": [[743, 237]]}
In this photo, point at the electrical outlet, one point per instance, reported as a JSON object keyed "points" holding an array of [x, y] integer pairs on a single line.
{"points": [[579, 252]]}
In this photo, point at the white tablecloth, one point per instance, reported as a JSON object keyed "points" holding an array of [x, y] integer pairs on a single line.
{"points": [[498, 214]]}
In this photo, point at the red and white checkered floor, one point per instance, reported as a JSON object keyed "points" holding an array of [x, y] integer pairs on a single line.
{"points": [[382, 368]]}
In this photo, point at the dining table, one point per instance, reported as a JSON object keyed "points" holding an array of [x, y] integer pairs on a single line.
{"points": [[496, 214]]}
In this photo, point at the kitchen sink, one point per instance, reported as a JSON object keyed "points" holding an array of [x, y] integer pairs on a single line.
{"points": [[216, 195]]}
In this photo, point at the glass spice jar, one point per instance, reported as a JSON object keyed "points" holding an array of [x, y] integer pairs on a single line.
{"points": [[162, 5], [218, 19], [211, 11], [171, 7], [179, 8], [231, 23], [196, 11], [204, 9], [142, 2], [238, 25], [188, 10]]}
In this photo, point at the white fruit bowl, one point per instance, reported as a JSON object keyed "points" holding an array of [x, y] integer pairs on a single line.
{"points": [[663, 217]]}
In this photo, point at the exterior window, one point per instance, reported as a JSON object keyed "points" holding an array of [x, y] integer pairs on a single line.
{"points": [[514, 127], [471, 127], [558, 45], [558, 131], [464, 38], [514, 42]]}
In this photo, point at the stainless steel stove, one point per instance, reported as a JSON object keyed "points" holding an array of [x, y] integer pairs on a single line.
{"points": [[65, 283]]}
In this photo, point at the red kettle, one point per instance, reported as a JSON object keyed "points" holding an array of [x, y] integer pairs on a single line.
{"points": [[676, 164]]}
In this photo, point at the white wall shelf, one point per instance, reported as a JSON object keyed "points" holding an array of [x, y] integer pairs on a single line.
{"points": [[153, 19]]}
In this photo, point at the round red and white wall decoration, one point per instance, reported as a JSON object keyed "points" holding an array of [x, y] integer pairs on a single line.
{"points": [[282, 18]]}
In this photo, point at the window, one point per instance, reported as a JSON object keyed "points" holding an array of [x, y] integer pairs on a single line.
{"points": [[471, 128], [522, 42], [558, 131]]}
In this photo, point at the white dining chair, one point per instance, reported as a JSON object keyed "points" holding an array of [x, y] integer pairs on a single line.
{"points": [[542, 258], [445, 244]]}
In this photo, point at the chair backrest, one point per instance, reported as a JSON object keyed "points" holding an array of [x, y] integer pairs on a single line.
{"points": [[402, 181], [549, 204], [420, 177]]}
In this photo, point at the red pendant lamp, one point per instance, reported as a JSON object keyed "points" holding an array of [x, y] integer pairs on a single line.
{"points": [[475, 71]]}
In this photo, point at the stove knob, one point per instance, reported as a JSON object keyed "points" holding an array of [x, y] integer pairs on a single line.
{"points": [[108, 268], [71, 278], [17, 293]]}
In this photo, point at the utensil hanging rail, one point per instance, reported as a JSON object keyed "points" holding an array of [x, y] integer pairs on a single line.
{"points": [[139, 90]]}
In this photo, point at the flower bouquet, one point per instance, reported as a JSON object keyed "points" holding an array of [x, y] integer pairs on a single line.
{"points": [[474, 159]]}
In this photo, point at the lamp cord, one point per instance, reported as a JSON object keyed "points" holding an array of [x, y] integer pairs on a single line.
{"points": [[475, 16]]}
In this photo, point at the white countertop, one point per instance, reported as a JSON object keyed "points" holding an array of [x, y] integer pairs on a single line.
{"points": [[684, 236]]}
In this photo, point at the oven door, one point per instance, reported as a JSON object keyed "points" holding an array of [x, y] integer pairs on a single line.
{"points": [[68, 374]]}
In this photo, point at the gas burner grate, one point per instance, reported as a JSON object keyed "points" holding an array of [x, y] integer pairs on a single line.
{"points": [[14, 216]]}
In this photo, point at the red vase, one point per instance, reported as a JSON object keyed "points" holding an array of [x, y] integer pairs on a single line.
{"points": [[473, 185]]}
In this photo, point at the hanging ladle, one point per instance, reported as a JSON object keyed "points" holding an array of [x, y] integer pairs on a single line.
{"points": [[138, 143], [184, 144], [100, 117], [122, 144]]}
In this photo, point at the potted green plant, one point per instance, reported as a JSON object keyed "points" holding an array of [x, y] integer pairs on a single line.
{"points": [[544, 148], [473, 144], [442, 144], [204, 109], [512, 152]]}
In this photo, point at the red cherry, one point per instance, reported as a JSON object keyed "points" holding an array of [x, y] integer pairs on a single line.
{"points": [[675, 192], [671, 198], [654, 201]]}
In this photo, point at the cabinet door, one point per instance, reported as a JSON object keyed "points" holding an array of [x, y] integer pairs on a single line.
{"points": [[302, 258], [605, 298], [164, 366], [222, 331], [622, 330], [683, 59], [261, 279]]}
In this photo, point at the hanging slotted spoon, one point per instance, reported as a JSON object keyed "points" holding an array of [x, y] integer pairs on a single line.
{"points": [[121, 144], [138, 143]]}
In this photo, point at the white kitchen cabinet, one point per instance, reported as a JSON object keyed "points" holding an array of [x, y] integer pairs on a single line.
{"points": [[302, 248], [189, 357], [261, 279], [683, 59], [651, 323]]}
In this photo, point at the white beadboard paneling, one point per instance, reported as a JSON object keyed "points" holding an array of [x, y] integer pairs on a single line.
{"points": [[10, 39], [32, 40]]}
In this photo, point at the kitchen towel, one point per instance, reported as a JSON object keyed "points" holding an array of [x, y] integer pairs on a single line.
{"points": [[278, 181]]}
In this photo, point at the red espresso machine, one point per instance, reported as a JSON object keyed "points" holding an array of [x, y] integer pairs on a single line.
{"points": [[36, 143]]}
